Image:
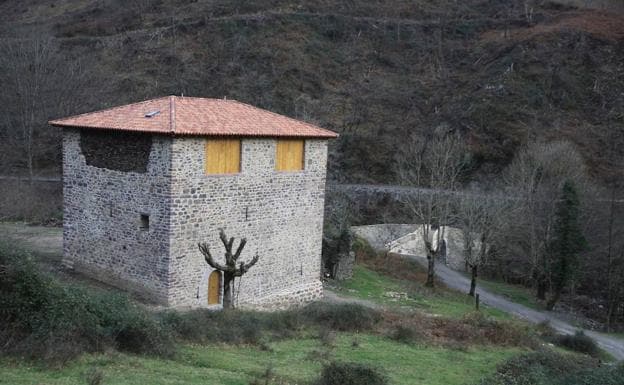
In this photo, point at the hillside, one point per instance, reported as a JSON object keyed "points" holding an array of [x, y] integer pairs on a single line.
{"points": [[498, 71]]}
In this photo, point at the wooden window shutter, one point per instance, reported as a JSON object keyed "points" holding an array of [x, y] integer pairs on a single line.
{"points": [[289, 155], [222, 156]]}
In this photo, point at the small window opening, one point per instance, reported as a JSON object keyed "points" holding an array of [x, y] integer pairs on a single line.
{"points": [[144, 222]]}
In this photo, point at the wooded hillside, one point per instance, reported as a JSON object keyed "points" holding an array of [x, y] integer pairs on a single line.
{"points": [[501, 72]]}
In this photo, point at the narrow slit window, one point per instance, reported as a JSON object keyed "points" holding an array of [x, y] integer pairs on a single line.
{"points": [[289, 155], [222, 156], [144, 225]]}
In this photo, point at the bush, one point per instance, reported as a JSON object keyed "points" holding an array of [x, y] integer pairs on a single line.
{"points": [[579, 342], [604, 375], [341, 317], [539, 368], [43, 319], [191, 326], [406, 334], [231, 326], [250, 327], [337, 373]]}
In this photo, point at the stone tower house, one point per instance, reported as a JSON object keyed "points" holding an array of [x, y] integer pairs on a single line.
{"points": [[144, 183]]}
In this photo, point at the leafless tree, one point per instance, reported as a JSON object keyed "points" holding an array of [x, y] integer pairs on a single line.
{"points": [[433, 166], [534, 180], [479, 217], [37, 84], [230, 269]]}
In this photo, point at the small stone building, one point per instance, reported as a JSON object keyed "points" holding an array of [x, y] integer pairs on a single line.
{"points": [[144, 183]]}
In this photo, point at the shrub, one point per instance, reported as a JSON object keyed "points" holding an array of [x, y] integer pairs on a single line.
{"points": [[250, 327], [545, 330], [327, 337], [94, 376], [337, 373], [43, 319], [538, 368], [341, 317], [406, 334], [579, 342], [231, 326], [604, 375]]}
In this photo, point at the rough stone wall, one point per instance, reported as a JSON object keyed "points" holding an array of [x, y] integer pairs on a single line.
{"points": [[455, 255], [379, 236], [344, 266], [102, 208], [412, 243], [280, 214]]}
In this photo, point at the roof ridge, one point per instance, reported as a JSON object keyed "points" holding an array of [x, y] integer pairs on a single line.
{"points": [[255, 108], [52, 121]]}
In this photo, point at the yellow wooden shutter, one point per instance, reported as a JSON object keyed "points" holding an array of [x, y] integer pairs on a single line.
{"points": [[222, 156], [289, 155]]}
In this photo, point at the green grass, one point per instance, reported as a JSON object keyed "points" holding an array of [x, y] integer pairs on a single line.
{"points": [[293, 361], [370, 285], [515, 293]]}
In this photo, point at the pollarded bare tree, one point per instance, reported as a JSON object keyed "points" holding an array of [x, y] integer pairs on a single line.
{"points": [[230, 269], [479, 217], [432, 166]]}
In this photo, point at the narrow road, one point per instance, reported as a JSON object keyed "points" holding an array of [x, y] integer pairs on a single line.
{"points": [[457, 281], [25, 179]]}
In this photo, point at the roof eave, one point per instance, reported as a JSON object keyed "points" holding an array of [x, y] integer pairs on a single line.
{"points": [[328, 135]]}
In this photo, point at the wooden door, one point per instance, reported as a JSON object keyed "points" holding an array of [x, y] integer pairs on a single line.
{"points": [[214, 286]]}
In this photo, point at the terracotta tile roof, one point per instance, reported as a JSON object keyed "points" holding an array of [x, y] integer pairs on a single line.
{"points": [[181, 115]]}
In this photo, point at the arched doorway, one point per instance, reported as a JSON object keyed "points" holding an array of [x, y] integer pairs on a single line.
{"points": [[214, 288]]}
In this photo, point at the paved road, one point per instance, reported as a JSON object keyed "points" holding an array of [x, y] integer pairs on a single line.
{"points": [[455, 280]]}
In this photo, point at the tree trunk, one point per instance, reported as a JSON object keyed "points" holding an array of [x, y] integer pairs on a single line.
{"points": [[541, 288], [610, 312], [473, 280], [430, 268], [228, 280], [553, 299]]}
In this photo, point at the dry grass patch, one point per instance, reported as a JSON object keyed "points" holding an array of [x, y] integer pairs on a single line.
{"points": [[472, 329]]}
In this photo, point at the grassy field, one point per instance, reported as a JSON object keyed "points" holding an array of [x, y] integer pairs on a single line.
{"points": [[515, 293], [298, 359], [381, 289], [292, 362]]}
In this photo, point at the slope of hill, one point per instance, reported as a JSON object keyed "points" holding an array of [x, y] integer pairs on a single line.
{"points": [[502, 72]]}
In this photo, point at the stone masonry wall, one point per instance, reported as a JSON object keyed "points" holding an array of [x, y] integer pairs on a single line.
{"points": [[102, 234], [280, 214]]}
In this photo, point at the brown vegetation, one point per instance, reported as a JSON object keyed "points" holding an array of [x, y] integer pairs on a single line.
{"points": [[373, 71]]}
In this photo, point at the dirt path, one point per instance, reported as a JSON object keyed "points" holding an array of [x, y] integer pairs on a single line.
{"points": [[332, 297], [455, 280]]}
